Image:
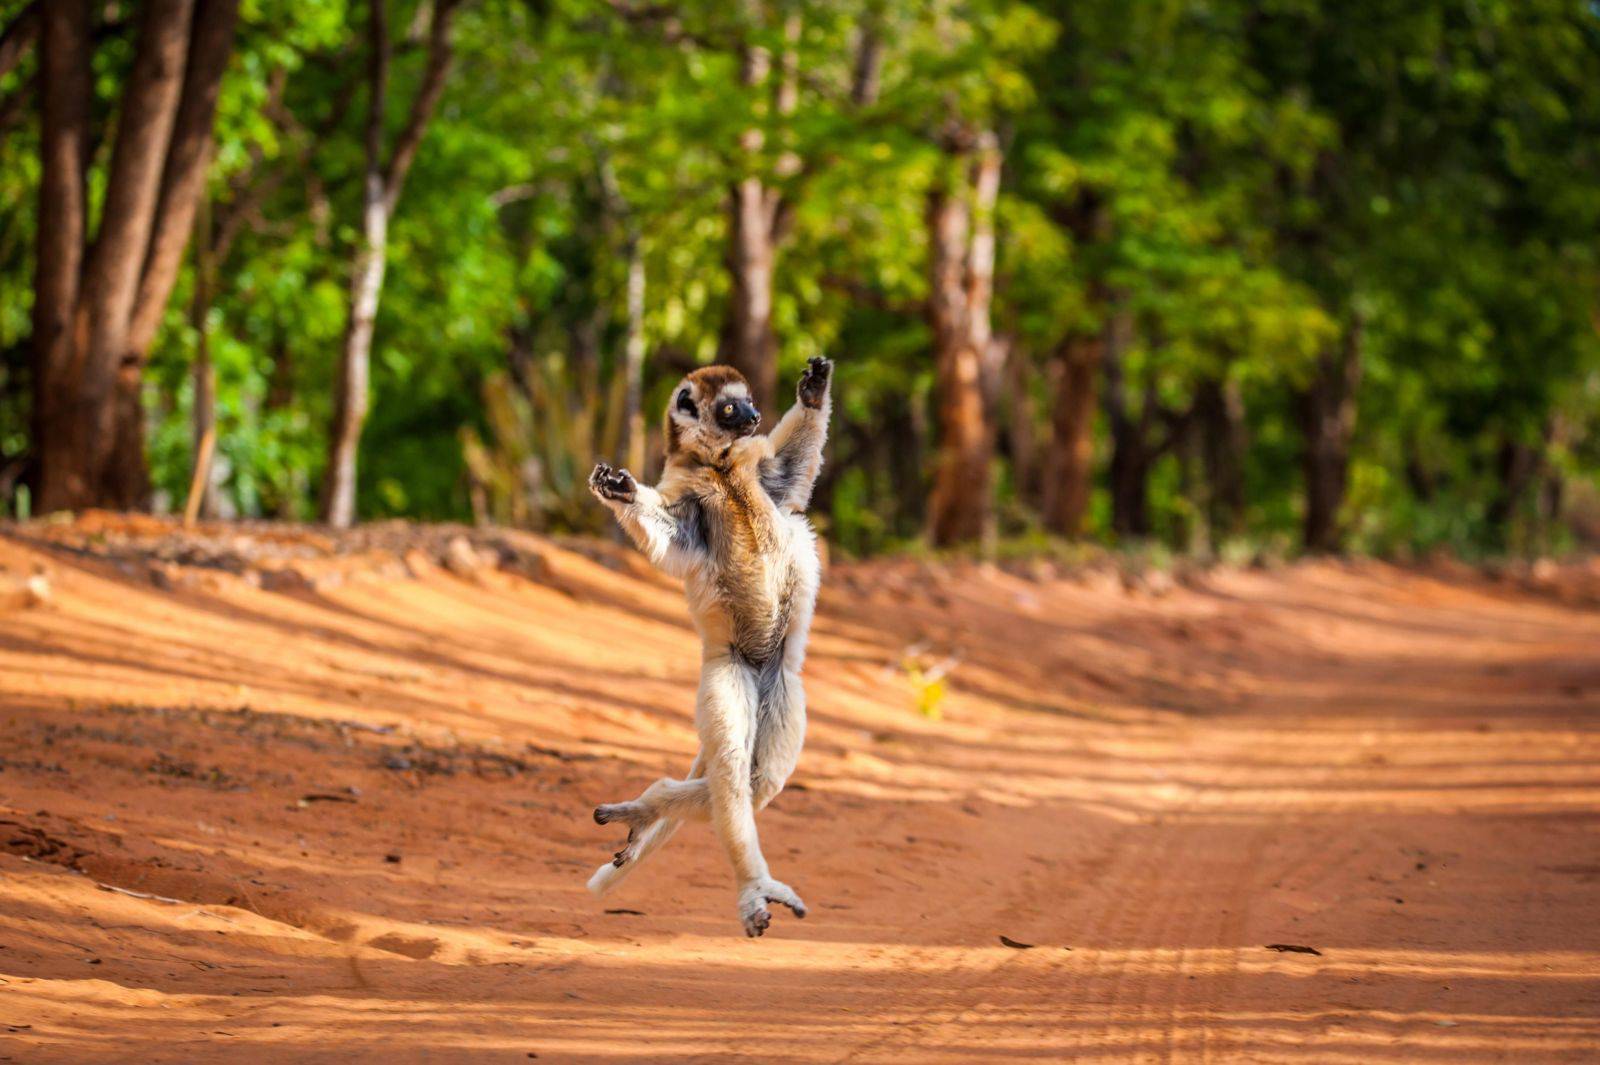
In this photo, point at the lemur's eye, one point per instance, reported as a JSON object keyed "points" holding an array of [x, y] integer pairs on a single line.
{"points": [[686, 404], [727, 409]]}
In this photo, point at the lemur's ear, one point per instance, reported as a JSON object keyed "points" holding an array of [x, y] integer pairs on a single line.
{"points": [[685, 402]]}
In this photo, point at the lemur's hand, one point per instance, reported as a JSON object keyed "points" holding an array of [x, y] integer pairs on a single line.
{"points": [[814, 382], [613, 484]]}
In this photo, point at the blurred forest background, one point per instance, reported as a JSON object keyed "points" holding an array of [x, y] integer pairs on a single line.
{"points": [[1204, 274]]}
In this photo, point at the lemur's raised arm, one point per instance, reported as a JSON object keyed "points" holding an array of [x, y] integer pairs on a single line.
{"points": [[789, 474], [671, 534]]}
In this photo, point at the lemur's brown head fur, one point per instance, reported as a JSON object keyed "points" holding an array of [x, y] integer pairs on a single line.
{"points": [[708, 411]]}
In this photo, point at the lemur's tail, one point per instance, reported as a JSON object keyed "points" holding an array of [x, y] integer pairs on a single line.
{"points": [[650, 840]]}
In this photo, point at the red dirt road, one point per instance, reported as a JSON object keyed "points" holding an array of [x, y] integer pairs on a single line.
{"points": [[348, 820]]}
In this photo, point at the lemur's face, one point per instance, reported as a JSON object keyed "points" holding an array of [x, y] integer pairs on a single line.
{"points": [[709, 410]]}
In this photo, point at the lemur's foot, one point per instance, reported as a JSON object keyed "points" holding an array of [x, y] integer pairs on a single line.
{"points": [[814, 382], [753, 899], [614, 484], [632, 814], [626, 854]]}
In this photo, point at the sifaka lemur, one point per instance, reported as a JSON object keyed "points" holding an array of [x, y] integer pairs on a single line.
{"points": [[729, 518]]}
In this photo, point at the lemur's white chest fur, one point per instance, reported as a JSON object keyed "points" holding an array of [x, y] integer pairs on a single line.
{"points": [[729, 518], [757, 586]]}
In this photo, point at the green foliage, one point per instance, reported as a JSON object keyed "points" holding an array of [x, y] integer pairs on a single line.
{"points": [[1244, 180]]}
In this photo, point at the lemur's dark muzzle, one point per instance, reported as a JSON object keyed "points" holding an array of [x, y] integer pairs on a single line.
{"points": [[738, 415]]}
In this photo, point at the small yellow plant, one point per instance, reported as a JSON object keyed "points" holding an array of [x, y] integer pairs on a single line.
{"points": [[927, 680]]}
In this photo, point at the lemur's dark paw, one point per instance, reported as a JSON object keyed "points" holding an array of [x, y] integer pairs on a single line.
{"points": [[607, 482], [753, 899], [814, 382]]}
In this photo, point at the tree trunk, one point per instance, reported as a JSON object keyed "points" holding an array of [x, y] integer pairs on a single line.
{"points": [[66, 478], [757, 222], [1131, 453], [182, 186], [366, 283], [1219, 413], [1552, 485], [97, 312], [633, 359], [183, 177], [355, 358], [1021, 444], [109, 388], [961, 269], [380, 195], [203, 414], [1517, 468], [751, 347], [1069, 467], [282, 501], [1328, 416], [866, 75]]}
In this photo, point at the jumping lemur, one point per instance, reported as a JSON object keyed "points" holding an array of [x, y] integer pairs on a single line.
{"points": [[729, 518]]}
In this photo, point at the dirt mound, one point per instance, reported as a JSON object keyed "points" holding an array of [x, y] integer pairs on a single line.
{"points": [[283, 794]]}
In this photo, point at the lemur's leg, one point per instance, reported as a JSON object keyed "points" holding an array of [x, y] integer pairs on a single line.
{"points": [[789, 474], [780, 734], [674, 800], [674, 544], [726, 717], [648, 832], [686, 799]]}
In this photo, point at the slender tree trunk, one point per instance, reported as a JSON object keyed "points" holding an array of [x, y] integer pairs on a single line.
{"points": [[961, 268], [282, 501], [1194, 529], [183, 177], [962, 464], [866, 75], [1517, 467], [109, 387], [1021, 442], [355, 359], [366, 283], [1131, 452], [1076, 369], [751, 345], [1552, 485], [633, 358], [1070, 464], [757, 220], [65, 476], [1328, 417], [1219, 415], [381, 189], [203, 415]]}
